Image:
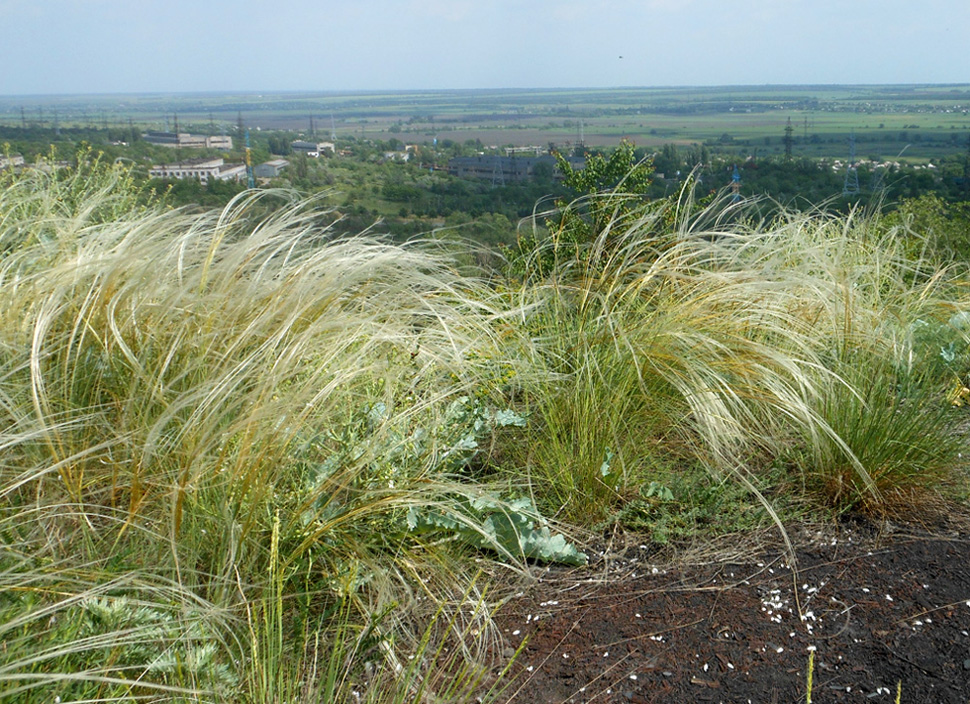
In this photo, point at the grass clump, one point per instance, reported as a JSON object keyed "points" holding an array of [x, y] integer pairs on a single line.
{"points": [[182, 406], [664, 355], [879, 321], [740, 345]]}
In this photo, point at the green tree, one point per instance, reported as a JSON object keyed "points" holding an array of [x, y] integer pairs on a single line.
{"points": [[669, 161], [300, 165], [280, 145], [607, 190], [930, 222]]}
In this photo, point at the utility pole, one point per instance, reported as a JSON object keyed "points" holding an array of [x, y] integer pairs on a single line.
{"points": [[789, 140], [250, 181]]}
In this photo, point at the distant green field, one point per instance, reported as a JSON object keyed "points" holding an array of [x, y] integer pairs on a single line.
{"points": [[917, 121]]}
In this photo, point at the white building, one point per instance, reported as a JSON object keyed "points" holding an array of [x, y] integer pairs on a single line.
{"points": [[14, 160], [188, 141], [398, 156], [201, 169], [221, 142]]}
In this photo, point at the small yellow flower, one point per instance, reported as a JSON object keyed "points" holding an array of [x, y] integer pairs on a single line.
{"points": [[959, 396]]}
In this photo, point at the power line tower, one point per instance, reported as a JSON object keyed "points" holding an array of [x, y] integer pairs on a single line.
{"points": [[789, 140], [851, 185], [333, 129], [735, 185], [250, 181]]}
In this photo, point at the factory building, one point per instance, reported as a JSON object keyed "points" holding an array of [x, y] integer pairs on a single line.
{"points": [[201, 169], [189, 141], [270, 169], [313, 149], [505, 169]]}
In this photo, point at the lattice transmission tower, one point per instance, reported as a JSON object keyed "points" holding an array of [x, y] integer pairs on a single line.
{"points": [[789, 140], [850, 186], [250, 180]]}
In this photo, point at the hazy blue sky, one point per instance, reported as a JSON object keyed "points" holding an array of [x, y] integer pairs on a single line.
{"points": [[89, 46]]}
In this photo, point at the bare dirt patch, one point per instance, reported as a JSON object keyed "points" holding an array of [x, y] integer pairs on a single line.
{"points": [[881, 609]]}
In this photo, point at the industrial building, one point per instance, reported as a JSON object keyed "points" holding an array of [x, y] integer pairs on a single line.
{"points": [[188, 141], [313, 149], [270, 169], [11, 161], [506, 169], [201, 169]]}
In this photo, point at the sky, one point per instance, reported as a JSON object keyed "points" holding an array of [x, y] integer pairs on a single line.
{"points": [[128, 46]]}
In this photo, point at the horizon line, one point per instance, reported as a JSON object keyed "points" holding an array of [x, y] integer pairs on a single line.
{"points": [[360, 91]]}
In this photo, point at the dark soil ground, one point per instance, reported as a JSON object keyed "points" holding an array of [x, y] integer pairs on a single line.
{"points": [[882, 607]]}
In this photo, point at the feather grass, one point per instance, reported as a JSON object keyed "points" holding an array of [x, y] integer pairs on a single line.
{"points": [[164, 374]]}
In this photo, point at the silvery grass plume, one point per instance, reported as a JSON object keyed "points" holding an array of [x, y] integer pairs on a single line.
{"points": [[174, 384], [883, 322], [711, 334]]}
